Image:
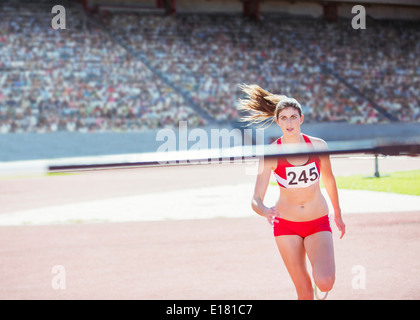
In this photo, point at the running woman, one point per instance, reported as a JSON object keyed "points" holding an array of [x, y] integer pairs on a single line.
{"points": [[300, 218]]}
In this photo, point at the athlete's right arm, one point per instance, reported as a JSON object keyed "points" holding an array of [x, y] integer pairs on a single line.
{"points": [[263, 179]]}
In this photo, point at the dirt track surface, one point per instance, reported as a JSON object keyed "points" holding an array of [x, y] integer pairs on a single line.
{"points": [[202, 259], [191, 259]]}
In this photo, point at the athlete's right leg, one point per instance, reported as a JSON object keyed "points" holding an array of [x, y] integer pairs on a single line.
{"points": [[293, 253]]}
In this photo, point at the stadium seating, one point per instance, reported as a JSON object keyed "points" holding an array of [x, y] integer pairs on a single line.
{"points": [[90, 77], [76, 79]]}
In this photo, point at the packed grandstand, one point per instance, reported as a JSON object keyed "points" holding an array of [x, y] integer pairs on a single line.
{"points": [[134, 71]]}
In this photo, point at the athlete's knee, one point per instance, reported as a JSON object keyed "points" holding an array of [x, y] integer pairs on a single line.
{"points": [[325, 282]]}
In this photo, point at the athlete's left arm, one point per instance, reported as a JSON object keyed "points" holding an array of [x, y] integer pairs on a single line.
{"points": [[330, 184]]}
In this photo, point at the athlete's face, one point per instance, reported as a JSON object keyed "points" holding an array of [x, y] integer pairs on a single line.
{"points": [[289, 121]]}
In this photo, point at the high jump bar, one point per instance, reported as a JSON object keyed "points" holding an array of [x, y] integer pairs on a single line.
{"points": [[379, 146]]}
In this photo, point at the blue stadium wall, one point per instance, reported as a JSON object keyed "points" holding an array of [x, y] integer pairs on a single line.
{"points": [[32, 146]]}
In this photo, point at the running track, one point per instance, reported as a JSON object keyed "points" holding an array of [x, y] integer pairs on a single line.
{"points": [[221, 258]]}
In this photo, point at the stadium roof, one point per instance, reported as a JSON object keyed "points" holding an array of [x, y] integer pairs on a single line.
{"points": [[385, 2]]}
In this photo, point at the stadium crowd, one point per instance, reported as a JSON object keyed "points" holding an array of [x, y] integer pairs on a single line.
{"points": [[76, 79], [80, 79], [209, 55], [381, 61]]}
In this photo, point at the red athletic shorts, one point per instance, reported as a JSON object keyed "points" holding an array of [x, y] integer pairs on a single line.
{"points": [[301, 228]]}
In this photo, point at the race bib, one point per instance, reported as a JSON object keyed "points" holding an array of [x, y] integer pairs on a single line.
{"points": [[302, 176]]}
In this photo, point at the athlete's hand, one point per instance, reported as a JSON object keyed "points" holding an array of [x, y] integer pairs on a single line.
{"points": [[340, 225], [271, 214]]}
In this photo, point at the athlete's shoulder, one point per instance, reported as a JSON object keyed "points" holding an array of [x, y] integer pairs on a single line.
{"points": [[317, 142]]}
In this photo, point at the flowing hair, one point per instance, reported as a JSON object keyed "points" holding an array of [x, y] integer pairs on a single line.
{"points": [[263, 106]]}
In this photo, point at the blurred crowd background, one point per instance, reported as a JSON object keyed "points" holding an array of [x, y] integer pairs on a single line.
{"points": [[119, 71]]}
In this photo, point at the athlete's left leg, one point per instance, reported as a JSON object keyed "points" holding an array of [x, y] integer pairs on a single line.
{"points": [[320, 250]]}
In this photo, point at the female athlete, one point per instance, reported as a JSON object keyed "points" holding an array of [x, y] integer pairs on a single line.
{"points": [[300, 217]]}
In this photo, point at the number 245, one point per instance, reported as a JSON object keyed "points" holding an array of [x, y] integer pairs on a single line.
{"points": [[303, 178]]}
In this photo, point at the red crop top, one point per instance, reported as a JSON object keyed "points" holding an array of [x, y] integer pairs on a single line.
{"points": [[290, 176]]}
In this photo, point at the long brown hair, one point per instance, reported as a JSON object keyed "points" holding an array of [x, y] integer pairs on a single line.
{"points": [[263, 106]]}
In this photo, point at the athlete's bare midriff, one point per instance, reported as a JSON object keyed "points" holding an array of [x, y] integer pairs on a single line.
{"points": [[302, 204]]}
